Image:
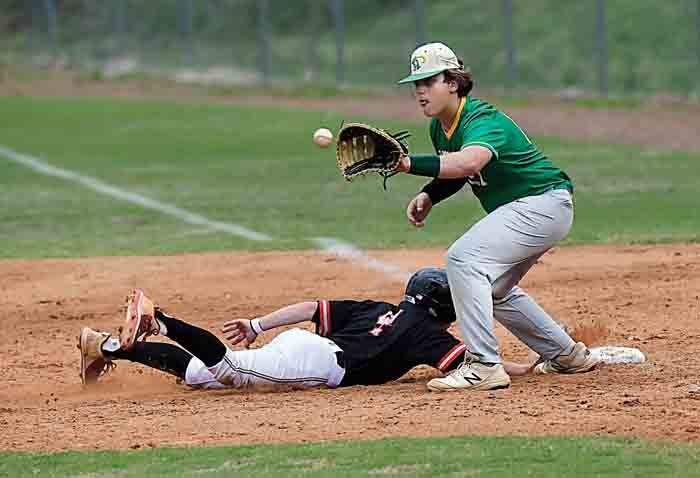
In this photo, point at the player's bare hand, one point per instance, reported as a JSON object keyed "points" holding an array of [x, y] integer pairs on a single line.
{"points": [[515, 369], [418, 209], [237, 331], [404, 165]]}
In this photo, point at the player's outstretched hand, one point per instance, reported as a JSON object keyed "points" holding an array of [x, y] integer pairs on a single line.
{"points": [[515, 369], [418, 209], [237, 331]]}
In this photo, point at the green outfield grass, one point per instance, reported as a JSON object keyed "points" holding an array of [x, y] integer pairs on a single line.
{"points": [[407, 457], [257, 167]]}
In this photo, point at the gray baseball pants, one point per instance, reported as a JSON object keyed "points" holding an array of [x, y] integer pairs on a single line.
{"points": [[485, 265]]}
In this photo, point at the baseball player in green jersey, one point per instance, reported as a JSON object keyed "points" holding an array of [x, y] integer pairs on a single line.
{"points": [[528, 201]]}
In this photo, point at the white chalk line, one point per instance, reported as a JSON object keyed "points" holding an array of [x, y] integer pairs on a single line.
{"points": [[351, 253], [127, 196], [336, 247]]}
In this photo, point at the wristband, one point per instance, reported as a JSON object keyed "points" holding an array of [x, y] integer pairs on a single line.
{"points": [[257, 328], [425, 165]]}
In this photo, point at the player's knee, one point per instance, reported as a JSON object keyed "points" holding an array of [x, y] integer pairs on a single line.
{"points": [[500, 288], [500, 291], [505, 287], [199, 376], [225, 371]]}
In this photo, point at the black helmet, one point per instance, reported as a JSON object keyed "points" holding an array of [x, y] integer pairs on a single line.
{"points": [[429, 288]]}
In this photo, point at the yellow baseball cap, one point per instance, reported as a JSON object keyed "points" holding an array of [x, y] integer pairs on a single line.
{"points": [[429, 60]]}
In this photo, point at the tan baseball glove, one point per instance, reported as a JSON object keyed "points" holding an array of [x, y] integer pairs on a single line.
{"points": [[362, 149]]}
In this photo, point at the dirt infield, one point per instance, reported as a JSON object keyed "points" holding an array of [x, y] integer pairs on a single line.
{"points": [[648, 297]]}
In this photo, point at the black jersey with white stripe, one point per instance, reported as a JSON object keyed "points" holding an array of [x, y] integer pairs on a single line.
{"points": [[381, 341]]}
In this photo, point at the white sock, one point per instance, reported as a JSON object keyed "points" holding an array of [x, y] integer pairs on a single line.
{"points": [[162, 329], [111, 345]]}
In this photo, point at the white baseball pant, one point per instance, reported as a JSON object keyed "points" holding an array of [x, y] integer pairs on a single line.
{"points": [[295, 357]]}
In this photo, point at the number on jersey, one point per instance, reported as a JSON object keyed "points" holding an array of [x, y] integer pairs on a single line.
{"points": [[477, 180], [386, 320]]}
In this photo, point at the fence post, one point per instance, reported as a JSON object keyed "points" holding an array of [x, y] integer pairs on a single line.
{"points": [[35, 31], [264, 41], [338, 15], [697, 44], [51, 24], [601, 42], [314, 26], [420, 22], [508, 36], [185, 27], [120, 26]]}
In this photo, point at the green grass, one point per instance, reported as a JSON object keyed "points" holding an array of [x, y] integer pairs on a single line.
{"points": [[407, 457], [257, 167]]}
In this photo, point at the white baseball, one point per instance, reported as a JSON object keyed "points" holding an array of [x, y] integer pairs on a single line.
{"points": [[323, 137]]}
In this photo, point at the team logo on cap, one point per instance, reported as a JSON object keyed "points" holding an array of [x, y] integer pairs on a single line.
{"points": [[417, 62]]}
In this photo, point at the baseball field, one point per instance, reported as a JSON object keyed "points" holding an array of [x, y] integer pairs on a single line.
{"points": [[222, 207]]}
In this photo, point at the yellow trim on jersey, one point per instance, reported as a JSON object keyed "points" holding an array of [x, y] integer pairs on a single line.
{"points": [[455, 121]]}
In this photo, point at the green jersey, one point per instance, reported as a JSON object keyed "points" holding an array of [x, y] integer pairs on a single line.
{"points": [[517, 168]]}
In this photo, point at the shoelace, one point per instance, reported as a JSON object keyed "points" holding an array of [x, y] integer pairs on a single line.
{"points": [[465, 364], [107, 368]]}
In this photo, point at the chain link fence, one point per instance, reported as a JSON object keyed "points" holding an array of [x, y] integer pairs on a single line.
{"points": [[604, 46]]}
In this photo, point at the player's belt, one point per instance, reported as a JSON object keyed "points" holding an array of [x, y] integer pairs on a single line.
{"points": [[340, 358]]}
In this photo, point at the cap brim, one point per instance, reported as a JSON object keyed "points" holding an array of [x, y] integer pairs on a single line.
{"points": [[420, 76]]}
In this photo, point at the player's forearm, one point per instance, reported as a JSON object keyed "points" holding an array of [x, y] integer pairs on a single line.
{"points": [[465, 163], [459, 164], [454, 165], [291, 314]]}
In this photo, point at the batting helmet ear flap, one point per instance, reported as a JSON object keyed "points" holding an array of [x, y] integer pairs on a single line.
{"points": [[430, 289]]}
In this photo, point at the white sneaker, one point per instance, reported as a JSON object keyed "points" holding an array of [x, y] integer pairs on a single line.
{"points": [[580, 360], [472, 376]]}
